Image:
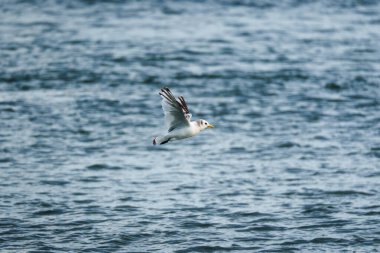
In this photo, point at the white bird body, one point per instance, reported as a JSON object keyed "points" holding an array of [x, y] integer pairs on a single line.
{"points": [[177, 117], [181, 133]]}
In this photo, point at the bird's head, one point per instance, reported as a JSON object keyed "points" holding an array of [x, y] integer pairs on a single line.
{"points": [[203, 124]]}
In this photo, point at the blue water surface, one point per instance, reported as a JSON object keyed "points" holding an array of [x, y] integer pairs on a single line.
{"points": [[293, 88]]}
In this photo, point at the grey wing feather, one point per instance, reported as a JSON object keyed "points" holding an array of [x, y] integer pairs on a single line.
{"points": [[175, 114]]}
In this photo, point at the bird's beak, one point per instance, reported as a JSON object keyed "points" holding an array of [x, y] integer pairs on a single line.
{"points": [[210, 126]]}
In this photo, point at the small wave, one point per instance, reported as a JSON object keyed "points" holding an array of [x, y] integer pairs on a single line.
{"points": [[237, 150], [103, 167], [318, 209], [318, 240], [262, 228], [214, 249], [55, 182], [250, 214], [196, 224], [6, 160], [328, 240], [333, 86], [287, 144], [125, 208], [348, 193], [48, 212], [84, 201], [135, 236], [372, 213], [90, 179], [375, 152]]}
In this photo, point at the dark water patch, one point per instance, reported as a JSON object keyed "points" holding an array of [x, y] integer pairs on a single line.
{"points": [[103, 167], [219, 41], [125, 208], [8, 110], [371, 207], [7, 160], [318, 209], [318, 240], [262, 228], [287, 144], [25, 81], [78, 225], [159, 181], [214, 249], [196, 224], [140, 168], [237, 150], [294, 242], [372, 213], [84, 201], [94, 210], [325, 240], [263, 4], [171, 11], [186, 187], [375, 151], [91, 179], [295, 170], [48, 212], [348, 193], [372, 174], [10, 222], [55, 182], [124, 238], [372, 103], [321, 138], [92, 149], [38, 203], [81, 131], [333, 86], [228, 194], [317, 193], [124, 199], [250, 214], [334, 223]]}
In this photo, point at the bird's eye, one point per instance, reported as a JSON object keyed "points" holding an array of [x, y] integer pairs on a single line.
{"points": [[206, 123]]}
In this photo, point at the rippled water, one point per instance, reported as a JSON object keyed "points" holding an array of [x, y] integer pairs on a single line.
{"points": [[293, 88]]}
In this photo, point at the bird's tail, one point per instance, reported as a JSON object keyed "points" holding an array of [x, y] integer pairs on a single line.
{"points": [[160, 140]]}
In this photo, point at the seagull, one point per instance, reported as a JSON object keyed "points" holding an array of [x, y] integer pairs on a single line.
{"points": [[177, 119]]}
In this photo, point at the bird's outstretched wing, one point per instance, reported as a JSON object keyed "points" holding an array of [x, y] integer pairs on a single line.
{"points": [[176, 112], [184, 107]]}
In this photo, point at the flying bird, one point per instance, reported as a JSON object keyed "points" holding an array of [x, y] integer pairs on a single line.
{"points": [[177, 119]]}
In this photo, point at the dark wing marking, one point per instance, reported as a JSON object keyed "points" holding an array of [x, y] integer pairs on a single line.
{"points": [[174, 110], [167, 94], [183, 104]]}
